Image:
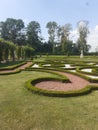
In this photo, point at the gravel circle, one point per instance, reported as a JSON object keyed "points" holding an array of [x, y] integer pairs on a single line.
{"points": [[76, 83]]}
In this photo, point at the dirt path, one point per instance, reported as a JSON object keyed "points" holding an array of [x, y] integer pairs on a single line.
{"points": [[20, 68], [76, 83]]}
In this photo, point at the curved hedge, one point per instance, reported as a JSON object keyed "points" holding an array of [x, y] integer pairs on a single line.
{"points": [[30, 85], [64, 78], [95, 70], [54, 69], [8, 73], [53, 65], [90, 73], [83, 75], [12, 67]]}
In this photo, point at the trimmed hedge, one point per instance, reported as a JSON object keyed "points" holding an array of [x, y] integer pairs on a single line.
{"points": [[8, 73], [13, 66], [90, 73], [37, 80], [53, 64], [30, 85], [95, 70], [92, 80], [64, 78], [78, 73]]}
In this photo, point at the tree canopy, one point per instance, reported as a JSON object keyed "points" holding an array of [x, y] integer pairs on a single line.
{"points": [[11, 30], [15, 31], [33, 31], [83, 33]]}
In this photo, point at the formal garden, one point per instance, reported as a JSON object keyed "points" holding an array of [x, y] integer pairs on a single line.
{"points": [[47, 85], [49, 92]]}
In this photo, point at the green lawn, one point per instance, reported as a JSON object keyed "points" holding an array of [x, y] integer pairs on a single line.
{"points": [[20, 109]]}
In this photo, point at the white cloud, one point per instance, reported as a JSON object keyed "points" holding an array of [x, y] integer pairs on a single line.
{"points": [[92, 37], [26, 21], [74, 35], [96, 28]]}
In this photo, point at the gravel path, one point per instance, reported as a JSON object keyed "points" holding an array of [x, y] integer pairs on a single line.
{"points": [[76, 83], [20, 68]]}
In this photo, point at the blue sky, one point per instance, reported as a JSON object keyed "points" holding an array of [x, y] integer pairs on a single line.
{"points": [[61, 11]]}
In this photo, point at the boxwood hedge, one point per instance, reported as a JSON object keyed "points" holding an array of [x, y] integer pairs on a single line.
{"points": [[30, 85], [13, 66]]}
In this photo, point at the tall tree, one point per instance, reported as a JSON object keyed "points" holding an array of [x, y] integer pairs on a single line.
{"points": [[83, 32], [65, 31], [11, 29], [33, 31], [52, 31]]}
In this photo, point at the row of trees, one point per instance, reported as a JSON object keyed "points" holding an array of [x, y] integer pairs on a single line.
{"points": [[14, 30], [10, 51], [59, 37]]}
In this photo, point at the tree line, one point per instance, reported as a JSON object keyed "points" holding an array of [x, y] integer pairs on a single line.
{"points": [[14, 34], [61, 43]]}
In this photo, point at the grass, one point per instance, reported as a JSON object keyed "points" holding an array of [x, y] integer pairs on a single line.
{"points": [[67, 58], [20, 109]]}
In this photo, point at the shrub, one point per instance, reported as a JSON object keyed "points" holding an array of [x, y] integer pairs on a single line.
{"points": [[30, 86]]}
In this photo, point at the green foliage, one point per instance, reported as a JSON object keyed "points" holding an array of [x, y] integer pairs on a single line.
{"points": [[21, 109], [83, 32], [13, 66], [30, 85], [19, 52], [5, 65], [33, 30], [14, 30], [10, 73], [52, 31], [29, 51], [9, 49], [11, 30], [87, 67]]}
